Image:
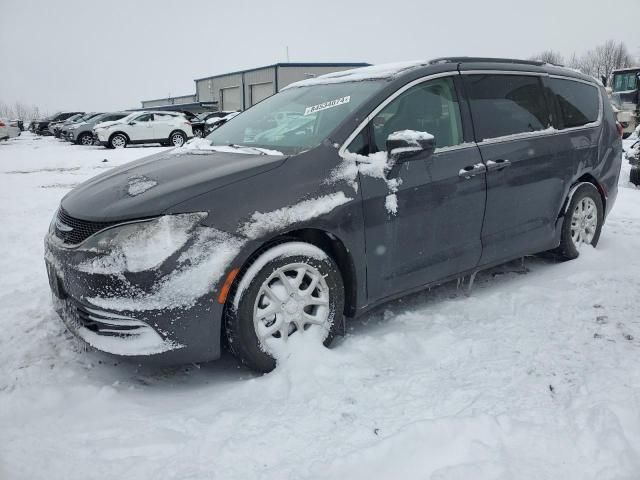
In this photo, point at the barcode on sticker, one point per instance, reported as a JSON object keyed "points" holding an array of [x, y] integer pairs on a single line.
{"points": [[325, 105]]}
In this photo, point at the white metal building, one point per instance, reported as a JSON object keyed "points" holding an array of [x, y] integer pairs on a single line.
{"points": [[160, 102], [242, 89]]}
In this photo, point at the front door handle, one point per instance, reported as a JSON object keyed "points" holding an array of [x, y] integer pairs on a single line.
{"points": [[472, 170], [498, 165]]}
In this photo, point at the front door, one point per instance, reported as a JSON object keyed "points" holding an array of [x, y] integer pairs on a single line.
{"points": [[142, 128], [429, 229]]}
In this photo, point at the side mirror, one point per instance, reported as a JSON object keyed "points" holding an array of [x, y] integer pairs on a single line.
{"points": [[132, 123], [404, 145]]}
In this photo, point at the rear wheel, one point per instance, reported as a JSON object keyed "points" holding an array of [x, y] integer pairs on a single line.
{"points": [[118, 140], [582, 221], [198, 132], [177, 139], [291, 289], [634, 176], [85, 139]]}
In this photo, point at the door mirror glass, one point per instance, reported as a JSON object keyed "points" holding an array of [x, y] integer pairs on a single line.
{"points": [[404, 145]]}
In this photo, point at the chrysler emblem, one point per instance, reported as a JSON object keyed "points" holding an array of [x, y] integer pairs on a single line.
{"points": [[63, 227]]}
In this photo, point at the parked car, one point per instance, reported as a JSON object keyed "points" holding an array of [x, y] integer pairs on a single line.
{"points": [[166, 128], [81, 133], [214, 121], [41, 127], [8, 129], [62, 127], [18, 123], [56, 127], [389, 180]]}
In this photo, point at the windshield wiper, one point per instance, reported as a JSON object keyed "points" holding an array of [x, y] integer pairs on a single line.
{"points": [[255, 149]]}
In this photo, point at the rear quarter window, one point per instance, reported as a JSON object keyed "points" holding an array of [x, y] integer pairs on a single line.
{"points": [[578, 103]]}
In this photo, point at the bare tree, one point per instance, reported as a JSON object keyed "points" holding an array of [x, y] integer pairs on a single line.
{"points": [[548, 56], [604, 59]]}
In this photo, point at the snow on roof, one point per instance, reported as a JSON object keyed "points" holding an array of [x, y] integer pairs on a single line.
{"points": [[374, 72], [629, 69]]}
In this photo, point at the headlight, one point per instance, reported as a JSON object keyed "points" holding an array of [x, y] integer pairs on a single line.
{"points": [[139, 246]]}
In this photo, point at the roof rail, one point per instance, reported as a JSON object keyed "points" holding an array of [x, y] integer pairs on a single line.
{"points": [[486, 60]]}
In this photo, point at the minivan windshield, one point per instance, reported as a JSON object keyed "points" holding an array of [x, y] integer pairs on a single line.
{"points": [[296, 119]]}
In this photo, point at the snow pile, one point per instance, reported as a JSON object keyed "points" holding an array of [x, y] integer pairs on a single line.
{"points": [[138, 184], [262, 223], [141, 246], [373, 72], [199, 269], [533, 376], [204, 146]]}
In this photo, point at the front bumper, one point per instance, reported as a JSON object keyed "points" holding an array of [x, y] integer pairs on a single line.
{"points": [[164, 336]]}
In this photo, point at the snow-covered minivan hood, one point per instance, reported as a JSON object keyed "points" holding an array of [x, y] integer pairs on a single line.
{"points": [[149, 186]]}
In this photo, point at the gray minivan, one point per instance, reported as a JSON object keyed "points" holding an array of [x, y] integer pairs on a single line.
{"points": [[332, 196]]}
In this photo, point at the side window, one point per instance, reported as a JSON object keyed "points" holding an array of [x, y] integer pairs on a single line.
{"points": [[360, 145], [506, 104], [147, 117], [579, 103], [430, 107], [163, 117]]}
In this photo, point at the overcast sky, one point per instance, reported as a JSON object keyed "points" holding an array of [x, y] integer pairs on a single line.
{"points": [[90, 55]]}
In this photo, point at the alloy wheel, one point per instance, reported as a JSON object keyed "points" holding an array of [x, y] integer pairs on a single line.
{"points": [[584, 221], [294, 298]]}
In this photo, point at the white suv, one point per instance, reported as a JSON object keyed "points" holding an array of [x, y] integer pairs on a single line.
{"points": [[166, 128]]}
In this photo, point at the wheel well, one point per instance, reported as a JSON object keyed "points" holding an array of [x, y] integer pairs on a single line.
{"points": [[121, 133], [587, 177], [327, 242], [177, 130]]}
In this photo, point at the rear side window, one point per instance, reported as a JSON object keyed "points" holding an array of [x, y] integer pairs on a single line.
{"points": [[578, 102], [504, 105]]}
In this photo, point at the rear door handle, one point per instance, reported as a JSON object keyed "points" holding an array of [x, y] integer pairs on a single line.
{"points": [[472, 170], [493, 165]]}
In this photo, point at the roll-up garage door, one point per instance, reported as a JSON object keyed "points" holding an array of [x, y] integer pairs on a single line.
{"points": [[230, 99], [260, 91]]}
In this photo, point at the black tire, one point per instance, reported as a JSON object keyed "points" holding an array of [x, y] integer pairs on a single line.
{"points": [[198, 132], [85, 139], [177, 138], [634, 176], [115, 138], [568, 250], [240, 332]]}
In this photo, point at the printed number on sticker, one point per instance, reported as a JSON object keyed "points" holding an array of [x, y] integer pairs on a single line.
{"points": [[329, 104]]}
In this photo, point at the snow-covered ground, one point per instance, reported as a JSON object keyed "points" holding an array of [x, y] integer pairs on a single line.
{"points": [[535, 375]]}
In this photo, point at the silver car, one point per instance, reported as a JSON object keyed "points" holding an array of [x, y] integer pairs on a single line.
{"points": [[81, 133]]}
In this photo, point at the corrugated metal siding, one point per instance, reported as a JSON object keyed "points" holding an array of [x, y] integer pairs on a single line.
{"points": [[262, 76], [181, 100], [287, 75], [208, 89]]}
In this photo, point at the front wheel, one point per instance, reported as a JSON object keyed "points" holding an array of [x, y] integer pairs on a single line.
{"points": [[582, 221], [292, 289], [118, 141]]}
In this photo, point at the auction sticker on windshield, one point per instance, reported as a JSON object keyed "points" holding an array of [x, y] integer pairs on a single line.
{"points": [[329, 104]]}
